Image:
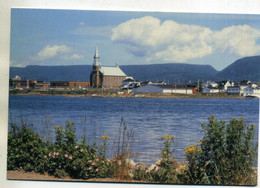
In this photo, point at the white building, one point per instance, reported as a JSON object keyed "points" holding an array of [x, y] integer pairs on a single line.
{"points": [[228, 84], [209, 84], [210, 90], [177, 89], [130, 83], [252, 92]]}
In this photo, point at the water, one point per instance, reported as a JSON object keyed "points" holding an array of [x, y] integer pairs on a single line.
{"points": [[148, 119]]}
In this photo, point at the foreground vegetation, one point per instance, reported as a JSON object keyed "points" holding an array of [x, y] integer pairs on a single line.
{"points": [[225, 156]]}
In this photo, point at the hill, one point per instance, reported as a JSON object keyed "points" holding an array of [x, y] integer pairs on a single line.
{"points": [[247, 68], [172, 72]]}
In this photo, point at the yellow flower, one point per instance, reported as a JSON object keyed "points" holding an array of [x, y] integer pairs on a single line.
{"points": [[167, 137], [165, 152], [181, 167], [105, 137]]}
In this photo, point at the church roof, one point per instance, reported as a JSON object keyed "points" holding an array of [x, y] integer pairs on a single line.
{"points": [[112, 71]]}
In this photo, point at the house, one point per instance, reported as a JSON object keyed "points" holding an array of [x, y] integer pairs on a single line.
{"points": [[252, 91], [41, 85], [223, 85], [210, 90], [233, 90], [18, 83], [105, 77], [171, 89], [209, 84], [130, 83]]}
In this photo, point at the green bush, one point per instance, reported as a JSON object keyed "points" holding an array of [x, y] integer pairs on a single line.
{"points": [[224, 156], [62, 158], [25, 149]]}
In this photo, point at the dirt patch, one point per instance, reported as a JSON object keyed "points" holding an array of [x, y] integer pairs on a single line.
{"points": [[22, 175]]}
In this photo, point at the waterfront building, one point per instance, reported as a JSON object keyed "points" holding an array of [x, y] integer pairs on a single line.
{"points": [[233, 90], [210, 90], [68, 85], [170, 89], [130, 83], [105, 77], [252, 92]]}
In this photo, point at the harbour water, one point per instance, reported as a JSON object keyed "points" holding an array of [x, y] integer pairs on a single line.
{"points": [[148, 119]]}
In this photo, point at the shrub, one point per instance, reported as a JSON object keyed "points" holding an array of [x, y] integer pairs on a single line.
{"points": [[62, 158], [25, 149], [167, 171], [224, 156]]}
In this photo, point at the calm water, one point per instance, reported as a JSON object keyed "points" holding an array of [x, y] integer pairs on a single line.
{"points": [[148, 119]]}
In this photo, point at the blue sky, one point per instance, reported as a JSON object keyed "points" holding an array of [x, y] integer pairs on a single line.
{"points": [[69, 37]]}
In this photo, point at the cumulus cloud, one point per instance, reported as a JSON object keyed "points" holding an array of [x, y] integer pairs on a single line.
{"points": [[50, 51], [239, 40], [172, 41], [55, 51]]}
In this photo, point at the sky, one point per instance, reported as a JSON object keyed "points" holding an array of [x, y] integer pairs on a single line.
{"points": [[69, 37]]}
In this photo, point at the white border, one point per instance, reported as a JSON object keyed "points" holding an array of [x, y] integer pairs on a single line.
{"points": [[202, 6]]}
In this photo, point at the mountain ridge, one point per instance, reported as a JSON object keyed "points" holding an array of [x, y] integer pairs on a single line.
{"points": [[246, 68]]}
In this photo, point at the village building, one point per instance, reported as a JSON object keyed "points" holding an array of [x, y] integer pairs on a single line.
{"points": [[252, 92], [130, 83], [233, 90], [105, 77], [18, 83], [69, 85], [209, 90], [171, 89]]}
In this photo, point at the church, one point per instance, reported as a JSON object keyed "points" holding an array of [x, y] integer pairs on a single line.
{"points": [[105, 77]]}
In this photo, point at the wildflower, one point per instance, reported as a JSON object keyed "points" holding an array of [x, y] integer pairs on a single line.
{"points": [[76, 147], [93, 163], [50, 154], [105, 137], [70, 157], [90, 168], [45, 156], [167, 137], [165, 153], [97, 159], [66, 155], [86, 151], [57, 153], [97, 170], [89, 161], [181, 167], [81, 150]]}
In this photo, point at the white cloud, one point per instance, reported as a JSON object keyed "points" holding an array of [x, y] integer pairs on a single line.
{"points": [[51, 51], [172, 41], [56, 51], [239, 40]]}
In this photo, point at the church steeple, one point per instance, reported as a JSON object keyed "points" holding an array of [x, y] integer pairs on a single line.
{"points": [[96, 58]]}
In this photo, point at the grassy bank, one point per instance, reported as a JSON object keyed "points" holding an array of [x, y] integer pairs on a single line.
{"points": [[224, 156], [98, 92]]}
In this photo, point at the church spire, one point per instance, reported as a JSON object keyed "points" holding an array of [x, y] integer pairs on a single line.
{"points": [[96, 58]]}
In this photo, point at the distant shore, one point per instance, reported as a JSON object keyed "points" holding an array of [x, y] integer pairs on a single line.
{"points": [[115, 94]]}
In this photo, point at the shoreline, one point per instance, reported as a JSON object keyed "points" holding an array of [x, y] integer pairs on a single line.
{"points": [[142, 95]]}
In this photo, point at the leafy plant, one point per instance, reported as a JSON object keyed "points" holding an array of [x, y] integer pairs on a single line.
{"points": [[224, 156]]}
